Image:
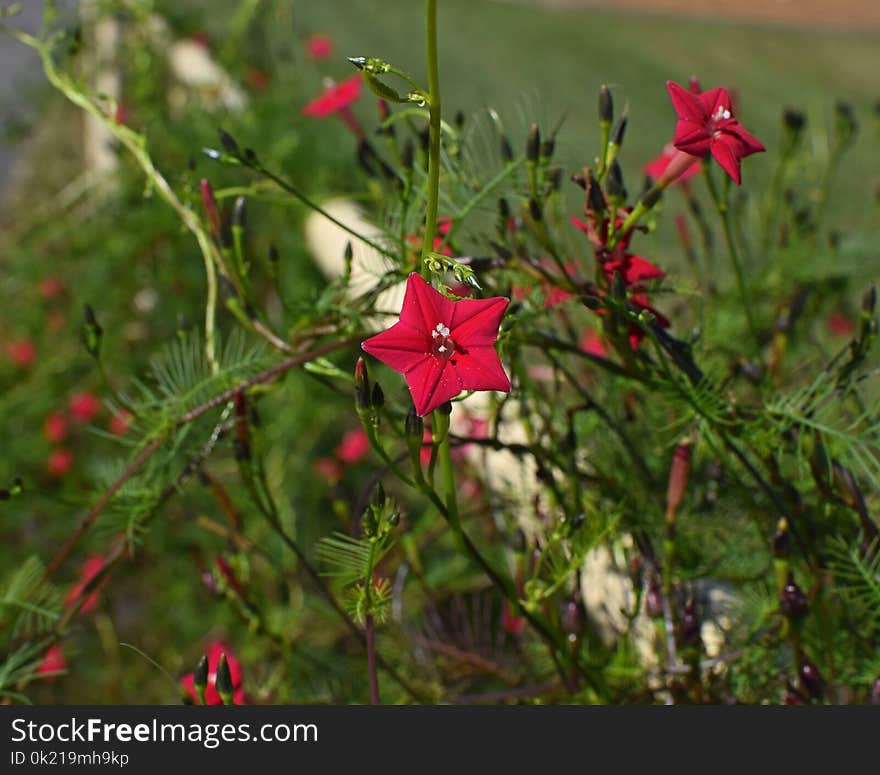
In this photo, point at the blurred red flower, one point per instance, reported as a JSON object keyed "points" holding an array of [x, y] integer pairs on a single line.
{"points": [[513, 625], [328, 469], [22, 352], [50, 287], [90, 568], [120, 422], [354, 446], [257, 79], [84, 406], [656, 167], [53, 663], [335, 97], [55, 428], [593, 343], [840, 324], [60, 461], [319, 46]]}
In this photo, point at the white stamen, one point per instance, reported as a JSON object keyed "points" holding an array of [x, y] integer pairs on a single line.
{"points": [[441, 349]]}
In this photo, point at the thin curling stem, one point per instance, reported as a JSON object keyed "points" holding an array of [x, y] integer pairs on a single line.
{"points": [[434, 136]]}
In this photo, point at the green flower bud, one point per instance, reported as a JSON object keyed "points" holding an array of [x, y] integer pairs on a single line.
{"points": [[91, 332], [223, 681], [361, 386], [200, 678], [533, 144], [606, 105], [228, 142]]}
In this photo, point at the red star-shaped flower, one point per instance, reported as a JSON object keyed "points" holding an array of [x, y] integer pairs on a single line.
{"points": [[335, 98], [706, 125], [442, 346]]}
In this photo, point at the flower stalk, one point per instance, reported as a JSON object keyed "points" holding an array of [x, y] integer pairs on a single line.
{"points": [[434, 133]]}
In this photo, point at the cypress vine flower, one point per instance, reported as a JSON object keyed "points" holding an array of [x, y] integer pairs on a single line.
{"points": [[335, 97], [442, 347], [706, 125], [319, 47]]}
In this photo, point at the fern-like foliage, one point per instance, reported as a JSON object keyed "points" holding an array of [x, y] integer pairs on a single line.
{"points": [[352, 561], [28, 603], [857, 573], [29, 608], [851, 433], [181, 377]]}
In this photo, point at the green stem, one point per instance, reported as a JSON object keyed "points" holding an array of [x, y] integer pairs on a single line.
{"points": [[445, 453], [724, 215], [285, 185], [434, 137], [370, 633]]}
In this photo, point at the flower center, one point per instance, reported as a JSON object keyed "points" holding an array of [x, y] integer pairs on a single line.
{"points": [[721, 114], [441, 345]]}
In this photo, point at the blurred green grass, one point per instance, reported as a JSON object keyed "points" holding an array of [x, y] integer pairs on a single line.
{"points": [[507, 56]]}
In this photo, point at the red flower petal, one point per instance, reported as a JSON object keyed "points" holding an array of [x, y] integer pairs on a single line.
{"points": [[688, 106], [724, 151], [432, 383], [692, 138], [424, 307], [480, 369], [749, 144], [401, 347], [634, 269], [53, 662], [475, 322], [592, 342], [338, 96], [578, 223], [714, 100]]}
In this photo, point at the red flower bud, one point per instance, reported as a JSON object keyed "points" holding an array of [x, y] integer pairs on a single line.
{"points": [[84, 406], [22, 352], [513, 625], [60, 462], [678, 479], [792, 601], [811, 679], [55, 428], [53, 663]]}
